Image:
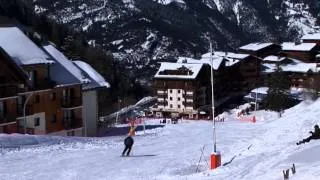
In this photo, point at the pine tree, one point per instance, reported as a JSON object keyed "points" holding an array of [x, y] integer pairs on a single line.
{"points": [[278, 97]]}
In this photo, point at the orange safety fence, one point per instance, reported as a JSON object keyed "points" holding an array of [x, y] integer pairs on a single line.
{"points": [[247, 118]]}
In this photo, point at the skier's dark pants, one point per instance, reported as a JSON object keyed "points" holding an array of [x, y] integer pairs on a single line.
{"points": [[125, 149], [305, 140], [308, 139]]}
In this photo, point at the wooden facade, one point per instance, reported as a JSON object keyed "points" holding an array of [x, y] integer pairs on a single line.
{"points": [[229, 81], [49, 109], [317, 41], [305, 56], [12, 81], [181, 97]]}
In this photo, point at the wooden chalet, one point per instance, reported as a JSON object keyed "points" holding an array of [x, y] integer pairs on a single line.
{"points": [[31, 80], [180, 89], [234, 74], [305, 52], [299, 72], [311, 38], [13, 80], [260, 50]]}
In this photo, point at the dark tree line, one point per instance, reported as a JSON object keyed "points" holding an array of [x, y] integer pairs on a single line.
{"points": [[74, 45], [279, 98]]}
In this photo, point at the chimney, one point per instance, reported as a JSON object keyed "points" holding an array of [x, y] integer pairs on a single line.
{"points": [[297, 42]]}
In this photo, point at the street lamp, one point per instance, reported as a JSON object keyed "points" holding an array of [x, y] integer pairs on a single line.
{"points": [[24, 113], [215, 158]]}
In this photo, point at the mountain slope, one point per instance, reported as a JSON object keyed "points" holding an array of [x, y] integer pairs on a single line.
{"points": [[141, 31], [250, 151]]}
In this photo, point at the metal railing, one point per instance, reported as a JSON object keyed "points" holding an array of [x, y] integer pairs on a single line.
{"points": [[7, 118], [71, 102]]}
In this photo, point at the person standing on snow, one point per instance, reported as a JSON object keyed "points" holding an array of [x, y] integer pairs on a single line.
{"points": [[128, 142], [314, 135]]}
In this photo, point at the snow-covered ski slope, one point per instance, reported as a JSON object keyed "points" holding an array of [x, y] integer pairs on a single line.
{"points": [[251, 151]]}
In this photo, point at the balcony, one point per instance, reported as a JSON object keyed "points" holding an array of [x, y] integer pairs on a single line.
{"points": [[72, 123], [29, 110], [71, 102], [7, 118], [188, 104], [189, 93], [163, 103], [9, 91], [160, 92], [162, 96], [43, 84]]}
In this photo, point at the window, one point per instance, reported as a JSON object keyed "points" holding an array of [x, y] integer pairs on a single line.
{"points": [[3, 108], [37, 100], [170, 91], [53, 96], [171, 106], [178, 99], [33, 78], [53, 119], [37, 121], [179, 106], [179, 91], [171, 98]]}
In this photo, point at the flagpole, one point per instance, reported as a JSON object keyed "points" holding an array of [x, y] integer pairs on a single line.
{"points": [[212, 101], [215, 158]]}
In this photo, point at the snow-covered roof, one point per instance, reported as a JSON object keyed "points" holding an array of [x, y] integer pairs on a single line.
{"points": [[261, 90], [64, 71], [291, 46], [217, 61], [269, 68], [255, 46], [193, 70], [21, 49], [218, 57], [227, 55], [274, 58], [300, 67], [314, 36], [97, 81]]}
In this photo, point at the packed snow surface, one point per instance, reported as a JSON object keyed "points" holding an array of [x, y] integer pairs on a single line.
{"points": [[250, 151]]}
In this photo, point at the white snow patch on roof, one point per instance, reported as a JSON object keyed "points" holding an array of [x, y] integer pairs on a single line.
{"points": [[300, 67], [227, 55], [291, 46], [166, 2], [216, 61], [21, 49], [274, 58], [195, 68], [261, 90], [255, 46], [96, 79], [63, 65], [314, 36]]}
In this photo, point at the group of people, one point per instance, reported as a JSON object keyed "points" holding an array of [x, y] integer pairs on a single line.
{"points": [[314, 135]]}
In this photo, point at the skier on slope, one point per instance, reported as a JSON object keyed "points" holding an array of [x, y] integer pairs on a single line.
{"points": [[314, 135], [128, 142]]}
